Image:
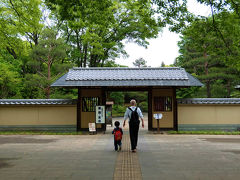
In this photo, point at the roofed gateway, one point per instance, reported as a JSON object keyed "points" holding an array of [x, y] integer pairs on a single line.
{"points": [[160, 83], [171, 76]]}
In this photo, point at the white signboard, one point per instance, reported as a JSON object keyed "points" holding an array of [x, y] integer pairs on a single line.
{"points": [[92, 127], [157, 116], [100, 114]]}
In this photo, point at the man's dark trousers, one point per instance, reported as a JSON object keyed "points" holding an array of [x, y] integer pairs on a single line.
{"points": [[133, 131]]}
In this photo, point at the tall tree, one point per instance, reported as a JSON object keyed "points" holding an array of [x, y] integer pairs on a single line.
{"points": [[20, 26], [20, 19], [225, 19], [140, 62], [205, 55], [96, 29], [173, 13], [9, 81], [49, 50], [163, 64]]}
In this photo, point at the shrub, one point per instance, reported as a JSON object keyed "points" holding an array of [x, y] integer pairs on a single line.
{"points": [[118, 110], [144, 106]]}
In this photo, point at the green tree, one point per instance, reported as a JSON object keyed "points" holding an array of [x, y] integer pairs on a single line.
{"points": [[96, 29], [225, 19], [137, 95], [163, 64], [20, 26], [140, 62], [19, 19], [189, 92], [49, 50], [173, 13], [9, 81], [203, 53], [117, 97]]}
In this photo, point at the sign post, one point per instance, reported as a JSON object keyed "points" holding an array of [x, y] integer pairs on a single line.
{"points": [[92, 128], [100, 115], [158, 117]]}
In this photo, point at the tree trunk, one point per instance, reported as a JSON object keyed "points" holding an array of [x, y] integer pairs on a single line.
{"points": [[35, 38], [95, 60], [79, 61], [49, 76], [49, 72], [206, 68], [228, 89], [208, 81], [12, 52], [91, 61], [48, 91], [85, 56], [208, 89], [206, 72], [102, 64]]}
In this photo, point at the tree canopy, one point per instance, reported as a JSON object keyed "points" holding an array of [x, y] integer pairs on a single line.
{"points": [[40, 40], [205, 54], [96, 29]]}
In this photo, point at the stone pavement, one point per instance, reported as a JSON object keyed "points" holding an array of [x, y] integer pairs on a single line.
{"points": [[127, 164], [167, 157]]}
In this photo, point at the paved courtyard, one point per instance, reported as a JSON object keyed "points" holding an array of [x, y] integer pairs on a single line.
{"points": [[92, 157]]}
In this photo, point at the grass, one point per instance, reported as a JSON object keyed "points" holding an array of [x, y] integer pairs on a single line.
{"points": [[206, 132], [118, 115], [40, 133]]}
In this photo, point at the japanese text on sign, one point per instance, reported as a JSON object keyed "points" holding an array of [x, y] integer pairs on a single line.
{"points": [[100, 114]]}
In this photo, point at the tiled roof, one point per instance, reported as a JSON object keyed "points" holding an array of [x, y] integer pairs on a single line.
{"points": [[37, 101], [209, 101], [74, 101], [171, 76], [84, 74]]}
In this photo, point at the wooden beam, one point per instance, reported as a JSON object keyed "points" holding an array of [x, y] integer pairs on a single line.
{"points": [[127, 88], [150, 108], [175, 110], [79, 109], [104, 104]]}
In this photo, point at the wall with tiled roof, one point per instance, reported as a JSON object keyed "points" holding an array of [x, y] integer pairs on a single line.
{"points": [[37, 101], [74, 101], [209, 101]]}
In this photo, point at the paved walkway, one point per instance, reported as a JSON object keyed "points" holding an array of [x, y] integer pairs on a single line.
{"points": [[92, 157], [127, 164]]}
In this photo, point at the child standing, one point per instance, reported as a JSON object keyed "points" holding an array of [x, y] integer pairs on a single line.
{"points": [[117, 136]]}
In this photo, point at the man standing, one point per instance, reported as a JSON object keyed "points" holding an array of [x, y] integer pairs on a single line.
{"points": [[133, 113]]}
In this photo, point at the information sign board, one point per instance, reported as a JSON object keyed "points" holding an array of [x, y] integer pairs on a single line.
{"points": [[100, 114], [92, 127], [157, 116]]}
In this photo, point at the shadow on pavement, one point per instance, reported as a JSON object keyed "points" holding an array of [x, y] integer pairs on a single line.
{"points": [[24, 140]]}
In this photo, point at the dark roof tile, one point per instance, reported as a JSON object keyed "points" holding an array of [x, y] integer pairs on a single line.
{"points": [[37, 101], [209, 101], [170, 76], [84, 74]]}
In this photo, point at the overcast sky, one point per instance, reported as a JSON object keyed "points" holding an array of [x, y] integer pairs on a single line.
{"points": [[164, 48]]}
